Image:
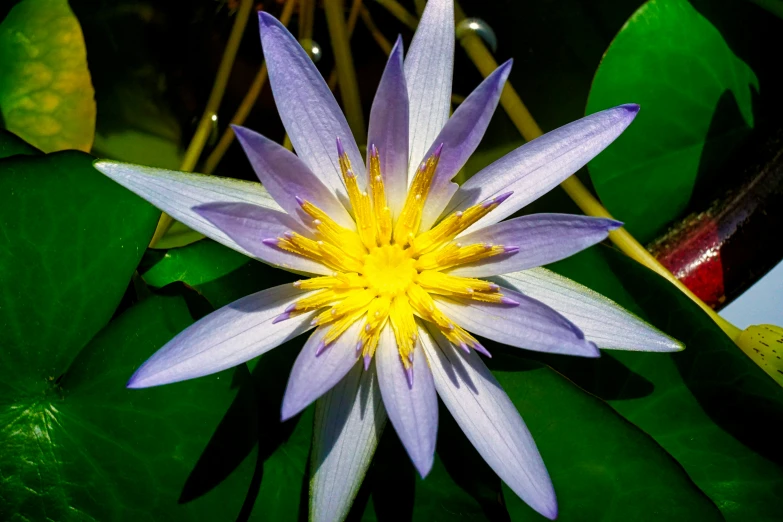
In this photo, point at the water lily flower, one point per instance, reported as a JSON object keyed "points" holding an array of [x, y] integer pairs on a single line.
{"points": [[395, 254]]}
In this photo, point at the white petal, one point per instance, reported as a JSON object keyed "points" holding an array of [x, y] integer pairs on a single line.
{"points": [[603, 321], [349, 420], [428, 72], [176, 193], [490, 421], [413, 410], [225, 338]]}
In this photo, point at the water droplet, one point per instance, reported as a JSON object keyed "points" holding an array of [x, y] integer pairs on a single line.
{"points": [[481, 28], [313, 49]]}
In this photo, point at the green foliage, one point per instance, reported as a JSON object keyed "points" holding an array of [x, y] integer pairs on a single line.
{"points": [[46, 95], [696, 104], [709, 406]]}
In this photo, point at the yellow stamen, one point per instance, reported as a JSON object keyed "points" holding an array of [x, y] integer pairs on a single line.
{"points": [[410, 217], [334, 233], [360, 201], [454, 224], [455, 254], [383, 218], [443, 284], [404, 326]]}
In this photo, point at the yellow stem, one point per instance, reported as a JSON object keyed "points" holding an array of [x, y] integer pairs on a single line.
{"points": [[247, 104], [210, 111], [527, 126], [400, 13], [346, 73], [381, 40], [356, 8], [306, 21]]}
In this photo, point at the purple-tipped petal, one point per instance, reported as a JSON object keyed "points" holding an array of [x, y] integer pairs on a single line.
{"points": [[602, 320], [227, 337], [388, 131], [459, 139], [246, 224], [317, 368], [288, 179], [428, 72], [349, 420], [538, 166], [530, 325], [412, 407], [307, 107], [490, 421], [176, 193], [539, 239]]}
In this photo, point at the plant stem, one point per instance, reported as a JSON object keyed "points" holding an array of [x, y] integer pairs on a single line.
{"points": [[204, 127], [346, 73], [527, 126], [381, 40], [356, 9], [247, 104]]}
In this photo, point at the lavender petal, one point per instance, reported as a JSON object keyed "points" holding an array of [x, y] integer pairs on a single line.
{"points": [[490, 421], [307, 107], [176, 193], [413, 410], [537, 239], [428, 73], [287, 178], [531, 325], [389, 129], [227, 337], [255, 229], [459, 139], [349, 420], [603, 321], [539, 165], [319, 367]]}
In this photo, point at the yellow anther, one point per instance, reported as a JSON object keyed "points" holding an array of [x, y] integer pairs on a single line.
{"points": [[337, 235], [455, 254], [410, 217], [454, 224], [360, 201], [444, 284], [382, 213], [404, 326]]}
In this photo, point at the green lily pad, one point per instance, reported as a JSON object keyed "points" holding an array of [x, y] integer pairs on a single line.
{"points": [[11, 145], [599, 463], [86, 448], [46, 95], [71, 241], [709, 406], [696, 99], [218, 273]]}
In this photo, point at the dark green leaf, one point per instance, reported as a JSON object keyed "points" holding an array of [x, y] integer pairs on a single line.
{"points": [[87, 448], [709, 406], [217, 272], [11, 145], [602, 466], [695, 96], [71, 241]]}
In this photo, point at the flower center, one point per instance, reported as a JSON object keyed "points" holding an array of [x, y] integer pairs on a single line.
{"points": [[389, 270]]}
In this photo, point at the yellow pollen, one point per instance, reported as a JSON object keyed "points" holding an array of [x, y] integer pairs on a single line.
{"points": [[386, 271]]}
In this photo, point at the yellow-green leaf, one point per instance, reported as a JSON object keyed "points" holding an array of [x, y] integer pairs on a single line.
{"points": [[46, 95]]}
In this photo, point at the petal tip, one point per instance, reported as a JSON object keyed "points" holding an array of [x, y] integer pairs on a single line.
{"points": [[631, 108]]}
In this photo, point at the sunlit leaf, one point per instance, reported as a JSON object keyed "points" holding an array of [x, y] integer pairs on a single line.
{"points": [[46, 96]]}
